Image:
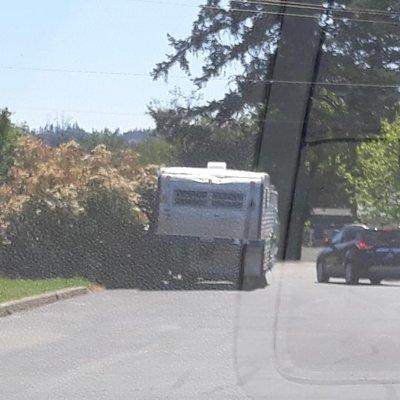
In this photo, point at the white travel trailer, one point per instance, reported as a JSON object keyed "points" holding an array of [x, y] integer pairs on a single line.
{"points": [[218, 216]]}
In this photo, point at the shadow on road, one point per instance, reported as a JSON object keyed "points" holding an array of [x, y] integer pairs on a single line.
{"points": [[162, 282], [148, 272]]}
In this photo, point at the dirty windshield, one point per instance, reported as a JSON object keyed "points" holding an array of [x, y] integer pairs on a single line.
{"points": [[200, 199]]}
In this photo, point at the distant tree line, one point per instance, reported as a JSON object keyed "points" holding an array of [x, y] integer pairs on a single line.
{"points": [[56, 134], [149, 145]]}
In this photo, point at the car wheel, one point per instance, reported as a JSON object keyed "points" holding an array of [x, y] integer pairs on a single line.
{"points": [[322, 276], [375, 281], [351, 274]]}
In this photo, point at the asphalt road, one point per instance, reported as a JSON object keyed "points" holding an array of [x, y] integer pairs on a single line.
{"points": [[294, 339]]}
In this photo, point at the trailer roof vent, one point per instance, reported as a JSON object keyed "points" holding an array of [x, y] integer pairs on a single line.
{"points": [[216, 165]]}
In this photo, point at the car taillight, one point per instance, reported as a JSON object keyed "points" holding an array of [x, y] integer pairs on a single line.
{"points": [[362, 245]]}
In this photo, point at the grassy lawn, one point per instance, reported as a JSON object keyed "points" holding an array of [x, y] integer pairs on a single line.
{"points": [[12, 289]]}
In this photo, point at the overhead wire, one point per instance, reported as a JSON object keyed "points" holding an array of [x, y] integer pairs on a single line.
{"points": [[277, 13], [86, 72], [260, 2], [228, 80], [360, 85], [322, 7]]}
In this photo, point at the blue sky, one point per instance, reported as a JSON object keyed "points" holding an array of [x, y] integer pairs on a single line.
{"points": [[97, 35]]}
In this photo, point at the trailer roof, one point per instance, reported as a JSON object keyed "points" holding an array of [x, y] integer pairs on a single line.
{"points": [[213, 174]]}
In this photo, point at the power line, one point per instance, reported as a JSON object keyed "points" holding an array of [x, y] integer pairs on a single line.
{"points": [[295, 15], [359, 85], [293, 4], [228, 80], [86, 72]]}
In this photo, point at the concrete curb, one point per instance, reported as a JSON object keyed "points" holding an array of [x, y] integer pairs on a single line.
{"points": [[11, 307]]}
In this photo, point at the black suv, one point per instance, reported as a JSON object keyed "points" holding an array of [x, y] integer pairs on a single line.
{"points": [[358, 252]]}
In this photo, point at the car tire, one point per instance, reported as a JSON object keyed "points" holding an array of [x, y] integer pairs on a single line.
{"points": [[322, 276], [350, 274], [375, 281]]}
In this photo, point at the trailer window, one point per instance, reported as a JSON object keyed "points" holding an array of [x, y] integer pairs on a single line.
{"points": [[190, 197], [227, 199]]}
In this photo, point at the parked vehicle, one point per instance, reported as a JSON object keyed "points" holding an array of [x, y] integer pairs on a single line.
{"points": [[358, 252], [215, 217]]}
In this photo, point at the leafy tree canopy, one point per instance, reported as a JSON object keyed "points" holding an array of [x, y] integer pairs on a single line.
{"points": [[238, 42], [376, 179], [195, 140], [243, 44]]}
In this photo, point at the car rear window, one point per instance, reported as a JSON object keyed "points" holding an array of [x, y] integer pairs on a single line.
{"points": [[383, 238]]}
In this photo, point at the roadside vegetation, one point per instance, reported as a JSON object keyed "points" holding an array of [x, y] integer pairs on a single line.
{"points": [[68, 211], [13, 289], [374, 181]]}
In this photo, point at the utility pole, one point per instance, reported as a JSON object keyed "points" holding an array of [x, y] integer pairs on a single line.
{"points": [[282, 150]]}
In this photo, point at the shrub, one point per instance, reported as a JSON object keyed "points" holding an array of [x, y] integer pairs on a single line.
{"points": [[70, 212]]}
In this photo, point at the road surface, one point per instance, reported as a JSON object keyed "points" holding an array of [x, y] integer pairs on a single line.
{"points": [[294, 339]]}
